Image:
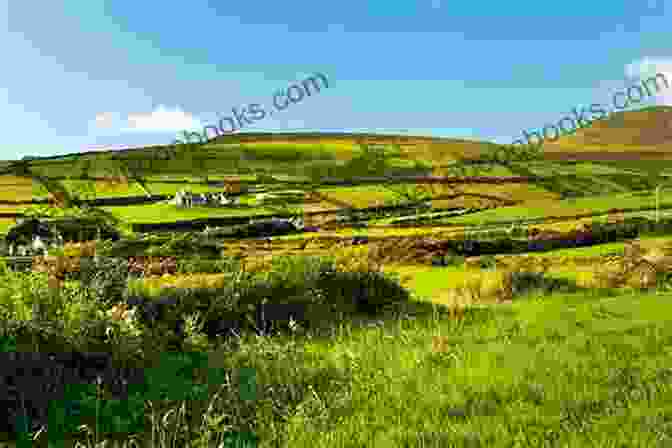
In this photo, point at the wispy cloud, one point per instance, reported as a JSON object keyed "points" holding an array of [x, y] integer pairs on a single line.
{"points": [[646, 68], [162, 119]]}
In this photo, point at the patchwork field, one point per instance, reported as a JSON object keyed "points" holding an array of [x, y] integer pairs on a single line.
{"points": [[396, 341]]}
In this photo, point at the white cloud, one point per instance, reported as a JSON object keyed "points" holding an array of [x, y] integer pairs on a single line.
{"points": [[105, 119], [162, 119], [648, 68]]}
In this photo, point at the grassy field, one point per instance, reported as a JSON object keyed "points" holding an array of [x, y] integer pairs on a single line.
{"points": [[558, 370], [647, 167], [572, 370], [534, 201], [159, 212], [567, 369], [567, 207]]}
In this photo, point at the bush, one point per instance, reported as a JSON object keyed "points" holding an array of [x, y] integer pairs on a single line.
{"points": [[299, 270], [251, 301], [73, 353], [504, 245], [161, 318], [487, 262], [235, 306], [518, 232], [524, 282], [454, 260], [366, 292], [449, 259], [104, 279]]}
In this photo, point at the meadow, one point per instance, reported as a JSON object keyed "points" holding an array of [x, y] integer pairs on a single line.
{"points": [[533, 349]]}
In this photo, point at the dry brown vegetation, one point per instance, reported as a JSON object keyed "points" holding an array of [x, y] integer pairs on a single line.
{"points": [[631, 135]]}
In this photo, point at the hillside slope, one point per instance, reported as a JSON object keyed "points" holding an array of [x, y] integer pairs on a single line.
{"points": [[644, 133]]}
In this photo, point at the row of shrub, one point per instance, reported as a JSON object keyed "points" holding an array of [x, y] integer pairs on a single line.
{"points": [[186, 244]]}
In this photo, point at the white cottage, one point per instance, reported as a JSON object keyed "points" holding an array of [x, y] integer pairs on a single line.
{"points": [[187, 199]]}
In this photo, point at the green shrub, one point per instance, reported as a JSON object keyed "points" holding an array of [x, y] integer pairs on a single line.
{"points": [[453, 260], [104, 279], [449, 259], [528, 282], [307, 284], [299, 270], [525, 281], [366, 292], [290, 281], [487, 262]]}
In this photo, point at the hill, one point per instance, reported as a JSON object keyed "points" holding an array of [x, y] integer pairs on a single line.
{"points": [[639, 134]]}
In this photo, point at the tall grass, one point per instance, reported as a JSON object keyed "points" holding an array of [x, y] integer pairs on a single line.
{"points": [[558, 369]]}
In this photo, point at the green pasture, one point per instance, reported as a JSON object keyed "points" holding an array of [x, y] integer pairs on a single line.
{"points": [[585, 178], [429, 282], [562, 208], [362, 195], [162, 212], [646, 167], [565, 370], [432, 283], [553, 168], [326, 149], [596, 185], [160, 188]]}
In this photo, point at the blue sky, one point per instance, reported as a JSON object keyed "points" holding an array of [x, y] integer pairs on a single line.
{"points": [[80, 75]]}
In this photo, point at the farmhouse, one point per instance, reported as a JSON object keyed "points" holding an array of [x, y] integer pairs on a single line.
{"points": [[186, 199]]}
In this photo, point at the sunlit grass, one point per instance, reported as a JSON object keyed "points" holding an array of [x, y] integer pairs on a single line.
{"points": [[155, 213], [496, 368], [561, 208]]}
